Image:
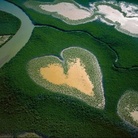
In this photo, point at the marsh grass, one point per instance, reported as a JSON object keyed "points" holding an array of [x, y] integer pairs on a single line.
{"points": [[9, 24]]}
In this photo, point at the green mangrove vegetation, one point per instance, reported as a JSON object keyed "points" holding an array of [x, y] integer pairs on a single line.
{"points": [[9, 25], [50, 113], [114, 39], [91, 68], [26, 106], [128, 107]]}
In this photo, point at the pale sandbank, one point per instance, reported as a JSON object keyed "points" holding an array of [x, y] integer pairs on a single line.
{"points": [[68, 10], [129, 9], [116, 17], [125, 19]]}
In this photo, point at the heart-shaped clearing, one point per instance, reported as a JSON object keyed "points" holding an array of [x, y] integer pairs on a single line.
{"points": [[78, 76]]}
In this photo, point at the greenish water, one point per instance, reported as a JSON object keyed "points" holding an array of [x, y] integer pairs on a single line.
{"points": [[11, 48]]}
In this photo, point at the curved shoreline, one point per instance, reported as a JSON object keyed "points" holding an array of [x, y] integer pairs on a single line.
{"points": [[13, 46], [6, 56], [109, 12]]}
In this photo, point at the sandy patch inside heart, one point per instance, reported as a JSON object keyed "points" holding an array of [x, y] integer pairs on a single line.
{"points": [[76, 76]]}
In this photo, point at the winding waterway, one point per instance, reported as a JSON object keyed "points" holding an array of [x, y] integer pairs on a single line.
{"points": [[11, 48]]}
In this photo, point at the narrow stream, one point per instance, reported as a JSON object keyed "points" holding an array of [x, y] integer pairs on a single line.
{"points": [[11, 48]]}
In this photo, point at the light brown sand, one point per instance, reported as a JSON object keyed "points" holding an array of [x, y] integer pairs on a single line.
{"points": [[68, 10], [76, 76]]}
